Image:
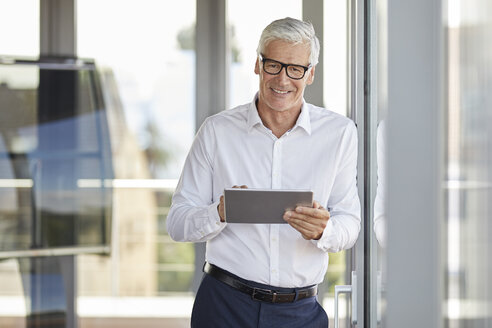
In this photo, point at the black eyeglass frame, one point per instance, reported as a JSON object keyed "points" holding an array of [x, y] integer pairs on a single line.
{"points": [[263, 59]]}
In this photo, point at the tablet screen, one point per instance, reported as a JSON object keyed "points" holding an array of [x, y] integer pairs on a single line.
{"points": [[263, 206]]}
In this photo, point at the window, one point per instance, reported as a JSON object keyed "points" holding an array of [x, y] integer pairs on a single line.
{"points": [[145, 54], [53, 139], [336, 56], [468, 291], [244, 36], [21, 16]]}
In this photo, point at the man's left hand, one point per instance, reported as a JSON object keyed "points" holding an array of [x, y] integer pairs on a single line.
{"points": [[309, 221]]}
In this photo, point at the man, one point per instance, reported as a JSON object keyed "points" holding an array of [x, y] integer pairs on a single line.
{"points": [[265, 275]]}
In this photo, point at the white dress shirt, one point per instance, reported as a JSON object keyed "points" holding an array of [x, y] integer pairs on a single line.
{"points": [[233, 147]]}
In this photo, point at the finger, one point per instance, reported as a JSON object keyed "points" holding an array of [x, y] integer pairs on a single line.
{"points": [[306, 225], [294, 215], [306, 222], [319, 213], [301, 225], [307, 232], [220, 208], [308, 229]]}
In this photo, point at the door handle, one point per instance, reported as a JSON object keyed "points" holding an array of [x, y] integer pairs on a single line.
{"points": [[347, 289]]}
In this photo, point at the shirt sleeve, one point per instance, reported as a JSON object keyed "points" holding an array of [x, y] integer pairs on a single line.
{"points": [[193, 216], [342, 229]]}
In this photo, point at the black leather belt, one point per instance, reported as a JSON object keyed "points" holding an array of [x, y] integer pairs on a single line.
{"points": [[259, 294]]}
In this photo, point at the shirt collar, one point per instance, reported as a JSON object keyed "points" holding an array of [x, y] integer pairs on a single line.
{"points": [[303, 121], [253, 116]]}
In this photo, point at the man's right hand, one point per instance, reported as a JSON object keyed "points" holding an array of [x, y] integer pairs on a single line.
{"points": [[220, 207]]}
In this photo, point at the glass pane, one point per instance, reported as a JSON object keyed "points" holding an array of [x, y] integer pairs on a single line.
{"points": [[468, 192], [13, 309], [379, 49], [336, 55], [19, 21], [146, 61], [244, 37], [53, 135]]}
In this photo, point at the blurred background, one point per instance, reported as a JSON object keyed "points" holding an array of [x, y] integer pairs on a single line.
{"points": [[100, 102]]}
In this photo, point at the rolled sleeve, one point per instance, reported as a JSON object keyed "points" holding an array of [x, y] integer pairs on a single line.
{"points": [[210, 226], [341, 232], [343, 227], [214, 218]]}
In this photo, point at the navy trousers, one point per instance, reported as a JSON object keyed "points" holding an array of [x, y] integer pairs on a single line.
{"points": [[218, 305]]}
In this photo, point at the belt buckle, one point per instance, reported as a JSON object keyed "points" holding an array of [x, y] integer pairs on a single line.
{"points": [[261, 291]]}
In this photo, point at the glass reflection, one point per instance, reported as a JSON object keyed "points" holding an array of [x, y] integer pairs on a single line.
{"points": [[379, 140], [53, 132], [379, 201]]}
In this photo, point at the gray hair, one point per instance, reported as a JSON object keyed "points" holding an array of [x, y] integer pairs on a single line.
{"points": [[293, 31]]}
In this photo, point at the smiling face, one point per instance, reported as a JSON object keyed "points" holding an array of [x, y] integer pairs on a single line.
{"points": [[279, 92]]}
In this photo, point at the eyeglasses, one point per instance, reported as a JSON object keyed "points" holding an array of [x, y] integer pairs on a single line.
{"points": [[274, 67]]}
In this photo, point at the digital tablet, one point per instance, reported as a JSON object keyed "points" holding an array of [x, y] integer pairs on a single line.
{"points": [[263, 205]]}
